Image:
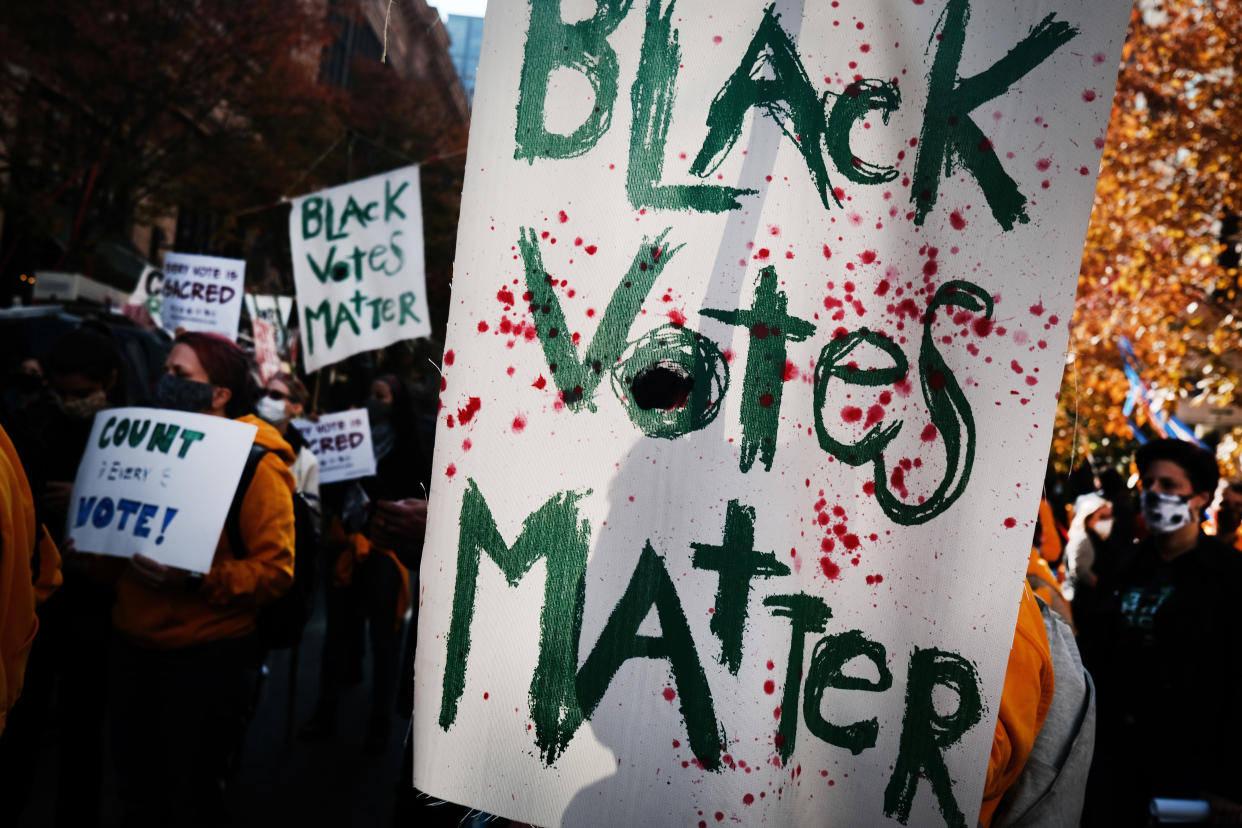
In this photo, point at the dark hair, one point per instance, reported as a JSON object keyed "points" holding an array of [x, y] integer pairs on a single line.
{"points": [[227, 366], [297, 390], [1199, 464], [90, 350]]}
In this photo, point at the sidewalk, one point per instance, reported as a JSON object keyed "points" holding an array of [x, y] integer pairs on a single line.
{"points": [[285, 782]]}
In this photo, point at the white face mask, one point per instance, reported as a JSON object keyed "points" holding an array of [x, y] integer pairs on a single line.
{"points": [[1166, 513], [271, 410], [1104, 527]]}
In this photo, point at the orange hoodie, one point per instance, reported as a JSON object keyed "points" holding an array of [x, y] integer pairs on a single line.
{"points": [[1027, 694], [233, 591], [21, 589]]}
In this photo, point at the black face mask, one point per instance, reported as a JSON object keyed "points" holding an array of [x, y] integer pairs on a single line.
{"points": [[183, 394]]}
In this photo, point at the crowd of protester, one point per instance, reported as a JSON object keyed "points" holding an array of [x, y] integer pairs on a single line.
{"points": [[1120, 686], [170, 658]]}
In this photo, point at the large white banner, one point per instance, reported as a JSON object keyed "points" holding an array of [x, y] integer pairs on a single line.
{"points": [[358, 266], [202, 293], [342, 444], [758, 326], [157, 482]]}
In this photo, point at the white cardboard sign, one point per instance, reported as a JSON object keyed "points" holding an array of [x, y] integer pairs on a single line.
{"points": [[342, 443], [157, 482], [758, 326], [202, 293], [358, 266]]}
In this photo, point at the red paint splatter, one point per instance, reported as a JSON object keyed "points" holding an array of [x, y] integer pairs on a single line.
{"points": [[519, 423], [749, 799], [1088, 95], [465, 415], [830, 569], [1037, 309], [763, 253], [451, 470], [956, 220], [449, 356], [1043, 164], [677, 318], [540, 383], [874, 414], [1010, 523], [929, 433], [766, 400], [562, 216], [590, 249], [482, 327], [851, 414], [669, 694], [505, 296], [982, 326], [791, 371], [769, 687], [866, 257], [827, 252]]}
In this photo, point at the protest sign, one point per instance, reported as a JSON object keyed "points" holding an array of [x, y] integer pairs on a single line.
{"points": [[202, 293], [747, 398], [358, 266], [342, 442], [266, 357], [275, 311], [158, 482]]}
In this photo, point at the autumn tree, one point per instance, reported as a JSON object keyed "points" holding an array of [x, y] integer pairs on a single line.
{"points": [[118, 112], [1153, 270]]}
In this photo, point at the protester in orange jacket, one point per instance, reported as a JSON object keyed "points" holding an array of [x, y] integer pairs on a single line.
{"points": [[29, 572], [188, 657], [1027, 695]]}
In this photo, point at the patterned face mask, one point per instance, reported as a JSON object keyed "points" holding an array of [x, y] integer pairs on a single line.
{"points": [[1166, 513], [183, 394]]}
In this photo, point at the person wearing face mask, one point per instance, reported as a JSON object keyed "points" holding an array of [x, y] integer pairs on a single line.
{"points": [[283, 400], [68, 662], [370, 585], [1166, 653], [187, 657]]}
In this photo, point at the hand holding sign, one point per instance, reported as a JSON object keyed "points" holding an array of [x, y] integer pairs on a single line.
{"points": [[158, 576], [400, 525], [157, 482]]}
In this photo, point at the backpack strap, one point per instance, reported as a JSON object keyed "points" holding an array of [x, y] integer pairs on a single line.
{"points": [[232, 523]]}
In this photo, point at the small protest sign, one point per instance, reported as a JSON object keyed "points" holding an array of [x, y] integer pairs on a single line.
{"points": [[759, 317], [358, 266], [202, 293], [157, 482], [275, 311], [266, 357], [342, 443]]}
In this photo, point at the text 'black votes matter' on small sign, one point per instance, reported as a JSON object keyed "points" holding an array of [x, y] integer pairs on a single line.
{"points": [[358, 266], [758, 325]]}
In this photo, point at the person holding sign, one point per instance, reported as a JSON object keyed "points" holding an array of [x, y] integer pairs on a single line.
{"points": [[370, 580], [188, 656]]}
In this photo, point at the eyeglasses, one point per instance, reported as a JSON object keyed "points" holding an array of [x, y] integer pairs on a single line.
{"points": [[275, 395]]}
